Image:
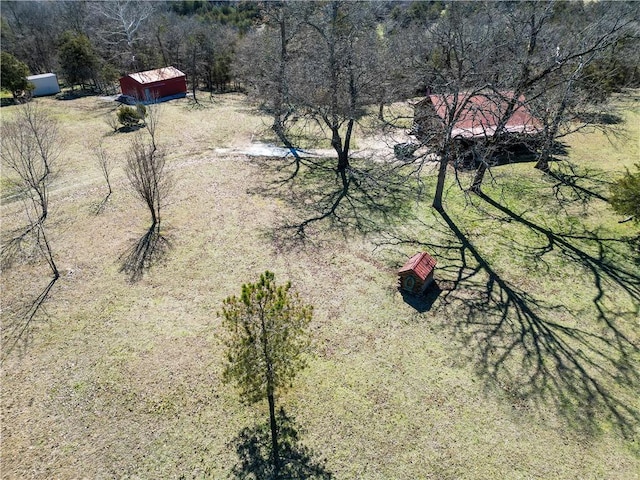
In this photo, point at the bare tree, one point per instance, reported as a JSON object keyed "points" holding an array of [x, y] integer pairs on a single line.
{"points": [[460, 48], [266, 67], [524, 56], [145, 169], [318, 69], [122, 24], [153, 112], [151, 183], [335, 75], [105, 162], [30, 147], [168, 30], [553, 57], [30, 31], [111, 121]]}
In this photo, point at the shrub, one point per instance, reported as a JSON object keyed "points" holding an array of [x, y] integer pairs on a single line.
{"points": [[131, 116], [625, 194]]}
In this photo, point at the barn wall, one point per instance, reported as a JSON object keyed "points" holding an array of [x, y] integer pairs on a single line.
{"points": [[428, 281], [169, 87], [153, 90], [130, 87], [418, 285]]}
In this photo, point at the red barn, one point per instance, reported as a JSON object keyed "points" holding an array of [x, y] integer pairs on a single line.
{"points": [[152, 85], [476, 116], [417, 274]]}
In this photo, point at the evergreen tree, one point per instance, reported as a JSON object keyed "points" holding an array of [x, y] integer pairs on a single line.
{"points": [[266, 341], [14, 75], [77, 58]]}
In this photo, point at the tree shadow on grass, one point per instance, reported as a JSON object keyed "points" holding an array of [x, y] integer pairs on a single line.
{"points": [[542, 353], [472, 155], [7, 102], [16, 331], [364, 198], [604, 259], [599, 118], [572, 184], [22, 243], [586, 371], [253, 446], [144, 253]]}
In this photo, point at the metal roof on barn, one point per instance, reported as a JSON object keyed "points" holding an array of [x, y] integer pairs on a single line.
{"points": [[479, 115], [422, 264], [157, 75]]}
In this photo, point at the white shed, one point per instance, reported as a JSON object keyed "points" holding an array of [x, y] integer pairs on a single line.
{"points": [[45, 83]]}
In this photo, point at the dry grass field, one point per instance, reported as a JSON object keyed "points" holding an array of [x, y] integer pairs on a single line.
{"points": [[522, 364]]}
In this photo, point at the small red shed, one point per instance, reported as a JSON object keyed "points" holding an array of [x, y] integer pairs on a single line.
{"points": [[417, 274], [160, 84]]}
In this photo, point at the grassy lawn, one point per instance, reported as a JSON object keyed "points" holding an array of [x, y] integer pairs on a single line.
{"points": [[522, 364]]}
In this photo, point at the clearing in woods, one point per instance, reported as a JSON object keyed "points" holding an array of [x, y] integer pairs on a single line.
{"points": [[522, 364]]}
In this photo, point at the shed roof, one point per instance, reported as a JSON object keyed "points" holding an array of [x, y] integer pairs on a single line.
{"points": [[421, 264], [479, 115], [157, 75], [41, 75]]}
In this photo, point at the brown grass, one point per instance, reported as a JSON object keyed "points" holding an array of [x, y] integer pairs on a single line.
{"points": [[120, 379]]}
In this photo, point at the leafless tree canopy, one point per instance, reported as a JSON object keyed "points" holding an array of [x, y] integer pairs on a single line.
{"points": [[30, 148], [105, 163], [121, 23], [145, 169], [546, 56], [314, 63]]}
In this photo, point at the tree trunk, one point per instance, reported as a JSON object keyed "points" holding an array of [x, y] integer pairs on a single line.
{"points": [[194, 79], [551, 132], [343, 156], [274, 435], [343, 161], [341, 149], [543, 162], [479, 177], [193, 91], [442, 173], [164, 56], [44, 245]]}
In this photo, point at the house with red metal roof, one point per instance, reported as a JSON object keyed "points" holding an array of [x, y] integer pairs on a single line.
{"points": [[155, 85], [474, 117], [417, 273]]}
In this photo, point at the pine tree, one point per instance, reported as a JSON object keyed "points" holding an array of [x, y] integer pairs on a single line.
{"points": [[267, 343], [14, 75]]}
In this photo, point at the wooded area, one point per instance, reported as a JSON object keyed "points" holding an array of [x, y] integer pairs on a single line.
{"points": [[327, 63]]}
